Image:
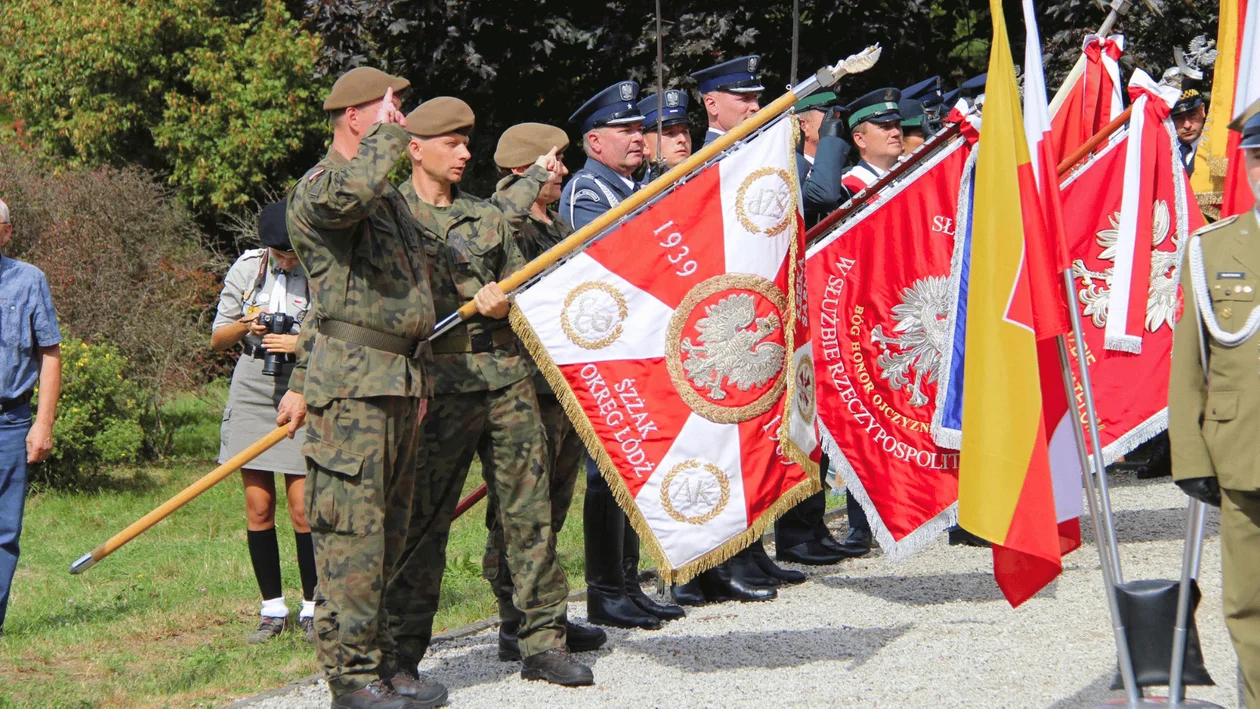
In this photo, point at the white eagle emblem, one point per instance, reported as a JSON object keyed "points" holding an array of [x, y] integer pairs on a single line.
{"points": [[627, 91], [921, 337], [671, 99], [729, 351], [1161, 300]]}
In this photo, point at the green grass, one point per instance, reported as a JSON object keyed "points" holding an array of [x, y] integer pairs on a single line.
{"points": [[162, 621]]}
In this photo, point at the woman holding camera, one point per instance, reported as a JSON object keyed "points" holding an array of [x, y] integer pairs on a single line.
{"points": [[265, 298]]}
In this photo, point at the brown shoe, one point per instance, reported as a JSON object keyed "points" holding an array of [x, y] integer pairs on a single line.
{"points": [[377, 695], [408, 681], [557, 666], [268, 629], [307, 624]]}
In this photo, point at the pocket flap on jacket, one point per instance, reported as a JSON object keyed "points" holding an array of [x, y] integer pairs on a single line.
{"points": [[332, 458], [1221, 406]]}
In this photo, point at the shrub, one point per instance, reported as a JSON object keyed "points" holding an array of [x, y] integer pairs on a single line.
{"points": [[126, 266], [98, 416]]}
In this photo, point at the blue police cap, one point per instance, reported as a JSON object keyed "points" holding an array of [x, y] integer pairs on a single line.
{"points": [[951, 97], [736, 76], [613, 106], [879, 106], [911, 113], [926, 92], [674, 111], [974, 86]]}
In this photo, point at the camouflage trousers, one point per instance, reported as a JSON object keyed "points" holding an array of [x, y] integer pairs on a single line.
{"points": [[502, 428], [564, 456], [361, 467]]}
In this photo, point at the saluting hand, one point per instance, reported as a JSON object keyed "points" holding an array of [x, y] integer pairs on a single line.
{"points": [[491, 302], [388, 111], [549, 162]]}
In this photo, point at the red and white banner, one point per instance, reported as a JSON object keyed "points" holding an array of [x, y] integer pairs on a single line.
{"points": [[1238, 196], [1130, 390], [879, 295], [1151, 145], [1091, 97], [675, 346]]}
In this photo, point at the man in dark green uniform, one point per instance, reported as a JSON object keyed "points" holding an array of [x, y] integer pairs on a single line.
{"points": [[1212, 418], [360, 372], [483, 404], [532, 155]]}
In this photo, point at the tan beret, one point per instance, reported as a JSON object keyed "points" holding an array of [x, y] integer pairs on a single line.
{"points": [[359, 86], [523, 143], [444, 114]]}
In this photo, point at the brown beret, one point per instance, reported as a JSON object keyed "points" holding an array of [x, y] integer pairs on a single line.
{"points": [[523, 143], [359, 86], [444, 114]]}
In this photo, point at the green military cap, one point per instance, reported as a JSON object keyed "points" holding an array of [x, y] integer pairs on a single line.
{"points": [[523, 143], [1248, 113], [816, 101], [359, 86], [444, 114]]}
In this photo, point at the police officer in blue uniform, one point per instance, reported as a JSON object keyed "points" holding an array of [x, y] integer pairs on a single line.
{"points": [[673, 145], [730, 94], [612, 138]]}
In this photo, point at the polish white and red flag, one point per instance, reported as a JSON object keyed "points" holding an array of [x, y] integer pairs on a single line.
{"points": [[679, 347], [1050, 253], [1091, 97]]}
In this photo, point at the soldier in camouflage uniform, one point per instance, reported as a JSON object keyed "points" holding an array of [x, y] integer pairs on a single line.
{"points": [[483, 404], [360, 372], [520, 151]]}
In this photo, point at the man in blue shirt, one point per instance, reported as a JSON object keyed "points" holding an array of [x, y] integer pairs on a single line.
{"points": [[31, 353]]}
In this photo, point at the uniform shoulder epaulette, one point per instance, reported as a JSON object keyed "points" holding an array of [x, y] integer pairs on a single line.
{"points": [[1216, 225], [248, 254]]}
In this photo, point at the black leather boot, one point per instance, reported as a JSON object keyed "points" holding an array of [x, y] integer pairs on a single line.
{"points": [[630, 568], [751, 570], [771, 569], [689, 594], [858, 543], [606, 599], [726, 582]]}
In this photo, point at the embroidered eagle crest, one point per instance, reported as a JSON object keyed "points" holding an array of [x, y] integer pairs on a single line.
{"points": [[913, 356], [1161, 300], [731, 347]]}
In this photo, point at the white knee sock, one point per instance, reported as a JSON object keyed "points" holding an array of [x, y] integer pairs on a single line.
{"points": [[308, 609]]}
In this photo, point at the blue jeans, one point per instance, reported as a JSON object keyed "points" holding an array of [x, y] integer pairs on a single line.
{"points": [[14, 425]]}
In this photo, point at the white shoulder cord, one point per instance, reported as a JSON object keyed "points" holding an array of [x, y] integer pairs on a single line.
{"points": [[1198, 278]]}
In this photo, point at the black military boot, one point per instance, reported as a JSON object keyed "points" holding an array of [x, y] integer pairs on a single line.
{"points": [[557, 666], [378, 695], [961, 537], [583, 638], [769, 568], [689, 594], [857, 543], [604, 531], [751, 570], [509, 649], [726, 582], [630, 568], [409, 683]]}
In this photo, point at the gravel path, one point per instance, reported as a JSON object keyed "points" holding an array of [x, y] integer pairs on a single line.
{"points": [[932, 631]]}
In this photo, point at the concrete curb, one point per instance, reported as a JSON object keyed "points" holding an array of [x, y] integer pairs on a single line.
{"points": [[645, 576]]}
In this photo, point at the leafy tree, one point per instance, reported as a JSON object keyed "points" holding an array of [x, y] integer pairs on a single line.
{"points": [[221, 105]]}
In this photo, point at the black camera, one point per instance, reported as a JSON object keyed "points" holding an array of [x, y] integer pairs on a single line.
{"points": [[276, 324]]}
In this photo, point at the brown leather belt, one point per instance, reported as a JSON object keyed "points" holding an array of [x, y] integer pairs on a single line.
{"points": [[461, 342], [368, 337]]}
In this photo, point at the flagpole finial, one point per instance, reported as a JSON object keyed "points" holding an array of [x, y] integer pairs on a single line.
{"points": [[829, 75]]}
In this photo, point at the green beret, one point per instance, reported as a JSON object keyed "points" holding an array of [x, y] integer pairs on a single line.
{"points": [[523, 143], [444, 114], [363, 85], [814, 101]]}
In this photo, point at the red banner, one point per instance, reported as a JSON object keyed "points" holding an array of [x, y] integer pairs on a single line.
{"points": [[879, 297], [1130, 390]]}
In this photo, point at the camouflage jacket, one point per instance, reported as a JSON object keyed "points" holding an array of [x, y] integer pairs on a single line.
{"points": [[468, 245], [366, 266], [534, 237]]}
